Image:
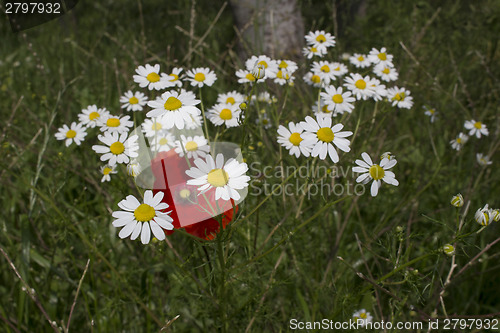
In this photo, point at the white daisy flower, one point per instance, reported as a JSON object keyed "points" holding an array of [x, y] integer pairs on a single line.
{"points": [[400, 97], [283, 76], [322, 136], [142, 219], [290, 66], [149, 76], [459, 141], [291, 139], [376, 172], [232, 97], [312, 51], [360, 86], [226, 177], [153, 126], [91, 115], [194, 122], [322, 110], [338, 101], [116, 124], [338, 69], [482, 216], [388, 155], [175, 77], [362, 317], [432, 113], [76, 133], [385, 72], [245, 76], [324, 69], [360, 60], [134, 168], [133, 101], [200, 77], [263, 120], [457, 200], [163, 141], [377, 57], [118, 148], [227, 114], [379, 91], [106, 172], [320, 38], [476, 128], [177, 108], [270, 66], [264, 97], [483, 160], [494, 214], [194, 146], [314, 80]]}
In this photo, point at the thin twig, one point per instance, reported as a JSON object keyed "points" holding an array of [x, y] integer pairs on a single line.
{"points": [[30, 291], [76, 295]]}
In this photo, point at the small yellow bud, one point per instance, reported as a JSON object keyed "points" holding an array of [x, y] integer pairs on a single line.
{"points": [[449, 250], [457, 200]]}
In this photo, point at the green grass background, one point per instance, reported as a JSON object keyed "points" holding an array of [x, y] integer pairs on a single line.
{"points": [[55, 213]]}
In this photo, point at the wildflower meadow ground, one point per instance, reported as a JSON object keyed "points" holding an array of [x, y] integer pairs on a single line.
{"points": [[155, 180]]}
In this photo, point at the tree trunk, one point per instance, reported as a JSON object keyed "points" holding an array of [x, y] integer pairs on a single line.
{"points": [[271, 27]]}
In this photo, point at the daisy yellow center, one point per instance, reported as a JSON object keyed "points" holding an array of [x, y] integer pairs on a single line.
{"points": [[230, 100], [250, 77], [117, 148], [226, 114], [191, 146], [265, 121], [144, 213], [153, 77], [172, 103], [321, 38], [200, 77], [263, 63], [279, 75], [94, 115], [459, 140], [185, 193], [325, 109], [70, 134], [156, 126], [314, 50], [218, 177], [295, 139], [337, 98], [113, 122], [325, 134], [376, 172], [432, 111], [337, 69], [399, 97], [133, 100], [360, 84], [386, 70], [163, 141], [382, 56], [283, 64], [362, 315], [176, 77], [315, 79], [325, 69], [478, 125], [361, 58], [106, 171]]}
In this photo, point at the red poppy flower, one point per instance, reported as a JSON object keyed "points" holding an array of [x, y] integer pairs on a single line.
{"points": [[199, 215]]}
